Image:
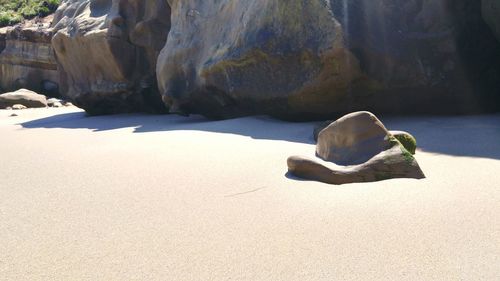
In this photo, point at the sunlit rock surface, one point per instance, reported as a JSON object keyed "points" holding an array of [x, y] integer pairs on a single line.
{"points": [[107, 52], [27, 59], [23, 97]]}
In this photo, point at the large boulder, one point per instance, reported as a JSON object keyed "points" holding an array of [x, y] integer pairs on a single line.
{"points": [[491, 14], [107, 51], [23, 96], [228, 58], [27, 59], [356, 148], [299, 59]]}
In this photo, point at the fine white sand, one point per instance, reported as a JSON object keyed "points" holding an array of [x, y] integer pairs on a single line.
{"points": [[145, 197]]}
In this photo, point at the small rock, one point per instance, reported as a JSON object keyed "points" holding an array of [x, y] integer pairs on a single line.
{"points": [[57, 104], [25, 97], [18, 107], [68, 104], [13, 115], [52, 101], [363, 151]]}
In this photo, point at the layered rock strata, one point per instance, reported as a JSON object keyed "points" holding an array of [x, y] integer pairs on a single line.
{"points": [[27, 59]]}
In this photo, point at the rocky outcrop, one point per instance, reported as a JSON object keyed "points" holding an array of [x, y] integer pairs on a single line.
{"points": [[107, 52], [24, 97], [491, 14], [308, 58], [227, 58], [356, 148], [291, 59], [27, 59]]}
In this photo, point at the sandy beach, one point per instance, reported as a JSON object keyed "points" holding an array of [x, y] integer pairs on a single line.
{"points": [[164, 197]]}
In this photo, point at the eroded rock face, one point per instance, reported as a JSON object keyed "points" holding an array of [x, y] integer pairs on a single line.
{"points": [[107, 51], [425, 55], [229, 58], [321, 58], [27, 59], [491, 14], [356, 148]]}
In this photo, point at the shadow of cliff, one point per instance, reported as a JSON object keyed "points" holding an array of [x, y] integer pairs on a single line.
{"points": [[257, 127], [474, 136]]}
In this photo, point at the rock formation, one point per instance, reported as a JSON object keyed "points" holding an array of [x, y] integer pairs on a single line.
{"points": [[291, 59], [24, 97], [491, 14], [107, 51], [227, 58], [308, 58], [356, 148], [27, 59], [406, 139]]}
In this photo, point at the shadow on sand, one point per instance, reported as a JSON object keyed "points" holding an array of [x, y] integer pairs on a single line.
{"points": [[259, 127], [474, 136]]}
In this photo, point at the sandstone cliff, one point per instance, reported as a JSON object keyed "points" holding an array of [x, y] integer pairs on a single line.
{"points": [[291, 59], [27, 59], [107, 53]]}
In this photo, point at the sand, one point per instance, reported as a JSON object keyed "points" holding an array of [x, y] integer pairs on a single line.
{"points": [[146, 197]]}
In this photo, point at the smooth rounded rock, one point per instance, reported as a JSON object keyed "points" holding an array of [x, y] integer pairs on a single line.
{"points": [[353, 139], [25, 97], [357, 148]]}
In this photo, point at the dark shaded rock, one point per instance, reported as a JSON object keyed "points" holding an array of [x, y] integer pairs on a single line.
{"points": [[361, 149], [491, 14], [306, 59], [107, 53], [318, 128], [24, 97], [425, 56]]}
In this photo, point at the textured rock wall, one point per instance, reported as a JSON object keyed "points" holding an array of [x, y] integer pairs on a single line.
{"points": [[228, 58], [27, 60], [299, 59], [426, 55], [292, 59], [491, 14], [107, 51]]}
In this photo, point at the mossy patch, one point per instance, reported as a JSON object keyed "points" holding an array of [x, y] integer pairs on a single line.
{"points": [[381, 176], [408, 141], [407, 155]]}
